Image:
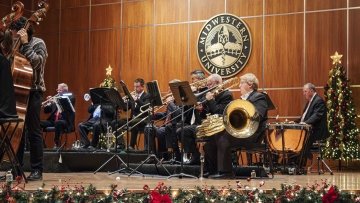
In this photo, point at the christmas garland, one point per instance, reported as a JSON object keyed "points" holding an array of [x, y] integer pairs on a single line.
{"points": [[318, 192]]}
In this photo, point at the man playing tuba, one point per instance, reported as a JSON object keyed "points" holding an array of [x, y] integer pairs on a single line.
{"points": [[218, 150]]}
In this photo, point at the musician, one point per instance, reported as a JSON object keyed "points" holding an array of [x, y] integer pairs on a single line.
{"points": [[314, 114], [62, 121], [140, 98], [34, 49], [218, 150], [100, 115], [7, 94], [212, 104], [164, 132]]}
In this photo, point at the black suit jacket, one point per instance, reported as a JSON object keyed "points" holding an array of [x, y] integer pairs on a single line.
{"points": [[135, 107], [316, 117], [258, 99], [67, 115], [217, 105], [107, 112]]}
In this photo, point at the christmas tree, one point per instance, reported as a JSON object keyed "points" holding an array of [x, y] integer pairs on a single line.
{"points": [[109, 81], [343, 142]]}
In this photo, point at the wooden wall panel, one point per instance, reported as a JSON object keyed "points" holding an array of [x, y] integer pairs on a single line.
{"points": [[356, 99], [325, 34], [74, 3], [194, 63], [324, 4], [245, 7], [104, 51], [6, 3], [73, 65], [137, 54], [138, 13], [50, 24], [205, 9], [354, 59], [255, 63], [170, 54], [354, 3], [283, 6], [289, 102], [170, 11], [94, 2], [106, 16], [75, 19], [284, 51]]}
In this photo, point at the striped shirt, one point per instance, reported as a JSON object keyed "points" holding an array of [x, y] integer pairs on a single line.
{"points": [[35, 51]]}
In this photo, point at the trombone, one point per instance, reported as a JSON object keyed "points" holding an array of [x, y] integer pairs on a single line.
{"points": [[142, 112]]}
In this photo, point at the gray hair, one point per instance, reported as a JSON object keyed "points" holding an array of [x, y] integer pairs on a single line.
{"points": [[216, 78], [310, 86], [250, 79]]}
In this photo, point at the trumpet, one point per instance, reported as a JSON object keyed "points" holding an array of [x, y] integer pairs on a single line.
{"points": [[51, 99]]}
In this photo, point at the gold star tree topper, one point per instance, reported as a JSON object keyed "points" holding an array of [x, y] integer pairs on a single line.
{"points": [[336, 58], [108, 70]]}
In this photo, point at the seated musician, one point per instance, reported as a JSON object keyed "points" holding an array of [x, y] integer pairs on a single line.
{"points": [[314, 114], [218, 150], [7, 94], [62, 121], [140, 98], [100, 115], [163, 132], [211, 104]]}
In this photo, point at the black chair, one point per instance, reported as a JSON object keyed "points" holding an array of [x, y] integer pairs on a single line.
{"points": [[317, 148]]}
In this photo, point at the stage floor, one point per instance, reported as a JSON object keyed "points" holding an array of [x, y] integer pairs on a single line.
{"points": [[346, 181]]}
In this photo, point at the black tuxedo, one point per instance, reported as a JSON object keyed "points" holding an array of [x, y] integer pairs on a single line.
{"points": [[65, 121], [214, 106], [218, 149], [135, 110], [316, 117], [96, 124]]}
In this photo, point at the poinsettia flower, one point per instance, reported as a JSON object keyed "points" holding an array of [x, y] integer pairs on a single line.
{"points": [[331, 196], [156, 197]]}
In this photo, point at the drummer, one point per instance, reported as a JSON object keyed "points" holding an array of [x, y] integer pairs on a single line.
{"points": [[314, 114]]}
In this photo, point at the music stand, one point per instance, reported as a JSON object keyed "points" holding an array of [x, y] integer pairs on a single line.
{"points": [[115, 99], [66, 106], [183, 95], [155, 100]]}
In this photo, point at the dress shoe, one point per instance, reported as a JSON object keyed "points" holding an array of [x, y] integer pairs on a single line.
{"points": [[35, 175], [207, 174], [222, 175]]}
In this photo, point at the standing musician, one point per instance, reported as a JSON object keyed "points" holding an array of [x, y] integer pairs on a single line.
{"points": [[314, 114], [213, 104], [34, 49], [218, 150], [62, 121], [7, 94], [140, 98]]}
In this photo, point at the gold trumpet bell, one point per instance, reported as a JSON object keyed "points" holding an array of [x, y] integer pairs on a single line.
{"points": [[241, 119]]}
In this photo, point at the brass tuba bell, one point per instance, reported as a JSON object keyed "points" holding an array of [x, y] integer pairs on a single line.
{"points": [[241, 119]]}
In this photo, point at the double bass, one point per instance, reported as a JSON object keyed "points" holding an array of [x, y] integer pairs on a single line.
{"points": [[22, 73]]}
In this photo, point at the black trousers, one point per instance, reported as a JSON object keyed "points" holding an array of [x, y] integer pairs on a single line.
{"points": [[60, 127], [150, 133], [33, 132], [135, 130], [85, 127], [189, 139], [218, 151]]}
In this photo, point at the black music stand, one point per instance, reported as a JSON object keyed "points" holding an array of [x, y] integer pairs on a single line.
{"points": [[115, 99], [66, 106], [155, 100], [5, 143], [183, 95]]}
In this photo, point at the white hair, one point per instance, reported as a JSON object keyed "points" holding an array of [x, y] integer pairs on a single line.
{"points": [[251, 79]]}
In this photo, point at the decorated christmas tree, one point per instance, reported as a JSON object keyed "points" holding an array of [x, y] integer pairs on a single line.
{"points": [[343, 141], [109, 81]]}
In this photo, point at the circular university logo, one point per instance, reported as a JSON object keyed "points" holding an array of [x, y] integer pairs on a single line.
{"points": [[224, 45]]}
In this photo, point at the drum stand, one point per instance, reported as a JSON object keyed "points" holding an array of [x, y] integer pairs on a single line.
{"points": [[320, 159]]}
